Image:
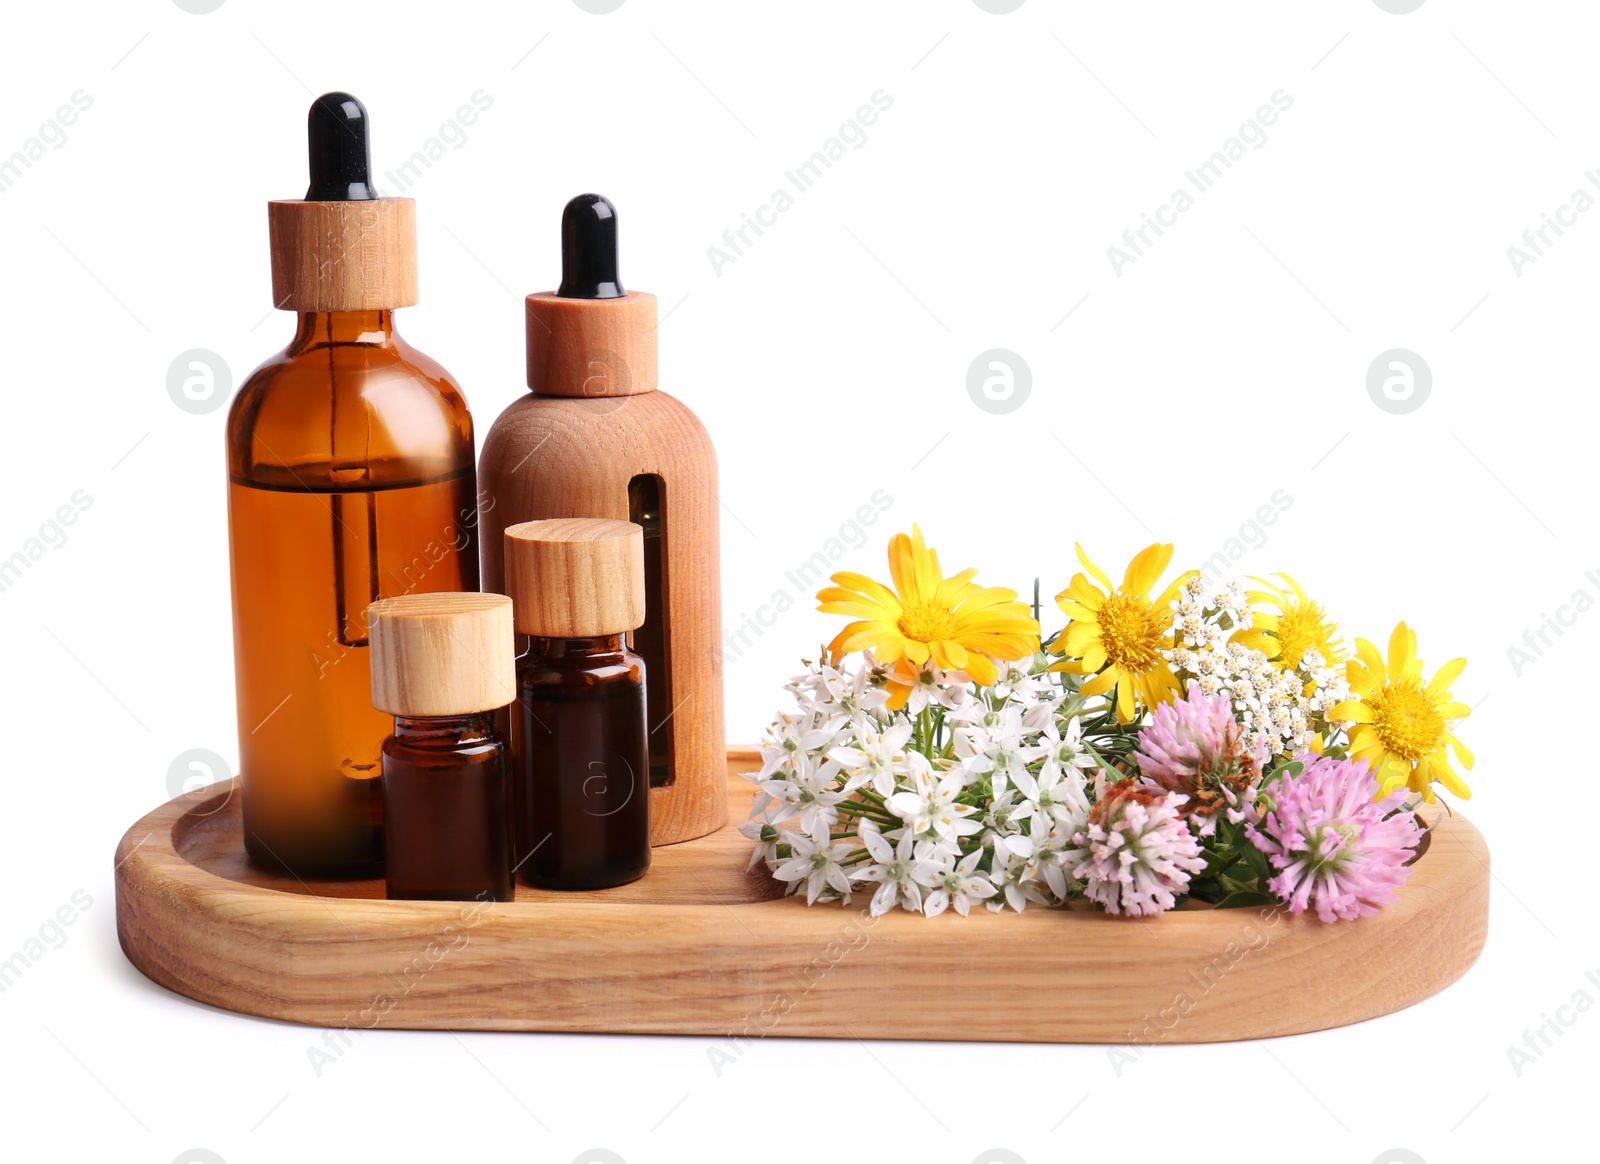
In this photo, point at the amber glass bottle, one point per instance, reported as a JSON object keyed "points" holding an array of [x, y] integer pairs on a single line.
{"points": [[351, 478], [441, 663], [583, 796], [445, 801], [581, 764]]}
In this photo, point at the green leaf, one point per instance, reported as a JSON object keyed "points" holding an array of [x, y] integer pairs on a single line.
{"points": [[1256, 859], [1292, 768], [1246, 899], [1218, 862]]}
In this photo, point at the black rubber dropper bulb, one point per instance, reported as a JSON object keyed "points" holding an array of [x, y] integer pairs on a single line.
{"points": [[589, 249], [341, 159]]}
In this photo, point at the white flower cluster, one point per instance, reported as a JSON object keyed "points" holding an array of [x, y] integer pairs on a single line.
{"points": [[1271, 703], [1196, 627], [996, 814]]}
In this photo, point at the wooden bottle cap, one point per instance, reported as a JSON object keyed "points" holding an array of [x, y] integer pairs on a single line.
{"points": [[574, 577], [343, 256], [592, 347], [441, 654]]}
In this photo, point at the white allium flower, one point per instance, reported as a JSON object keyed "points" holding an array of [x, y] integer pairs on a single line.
{"points": [[891, 868], [766, 829], [931, 806], [1015, 872], [792, 736], [1004, 818], [946, 688], [809, 789], [959, 886], [1061, 794], [998, 750], [877, 757], [1023, 679], [815, 860]]}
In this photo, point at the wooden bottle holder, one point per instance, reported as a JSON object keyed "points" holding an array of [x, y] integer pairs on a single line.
{"points": [[704, 946], [570, 449]]}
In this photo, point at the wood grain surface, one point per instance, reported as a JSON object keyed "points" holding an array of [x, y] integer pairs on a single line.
{"points": [[701, 946], [343, 256], [441, 654], [551, 456], [574, 577], [592, 347]]}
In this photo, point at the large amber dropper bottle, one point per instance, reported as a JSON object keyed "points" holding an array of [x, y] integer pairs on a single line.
{"points": [[350, 466]]}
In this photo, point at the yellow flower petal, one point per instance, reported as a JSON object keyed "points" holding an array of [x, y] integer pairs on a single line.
{"points": [[1444, 774], [1095, 572], [1402, 648], [1370, 659], [1446, 675], [1081, 590], [1102, 682], [1146, 568], [1125, 701], [1079, 637], [925, 562], [902, 568], [981, 669]]}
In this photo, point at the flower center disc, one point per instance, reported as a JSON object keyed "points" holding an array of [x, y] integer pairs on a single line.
{"points": [[1130, 631], [926, 623], [1407, 721]]}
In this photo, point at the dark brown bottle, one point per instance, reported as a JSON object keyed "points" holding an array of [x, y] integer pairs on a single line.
{"points": [[441, 664], [581, 763], [445, 798]]}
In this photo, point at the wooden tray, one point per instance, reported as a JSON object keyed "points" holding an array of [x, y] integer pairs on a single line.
{"points": [[700, 946]]}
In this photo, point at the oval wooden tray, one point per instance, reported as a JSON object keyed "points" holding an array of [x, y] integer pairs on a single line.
{"points": [[700, 946]]}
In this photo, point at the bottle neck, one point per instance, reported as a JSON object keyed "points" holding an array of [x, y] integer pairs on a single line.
{"points": [[584, 648], [323, 328], [453, 729]]}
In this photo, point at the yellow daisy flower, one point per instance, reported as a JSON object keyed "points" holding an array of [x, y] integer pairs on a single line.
{"points": [[1300, 625], [1401, 726], [953, 621], [1123, 630]]}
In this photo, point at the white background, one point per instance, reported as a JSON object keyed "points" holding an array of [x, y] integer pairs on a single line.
{"points": [[830, 361]]}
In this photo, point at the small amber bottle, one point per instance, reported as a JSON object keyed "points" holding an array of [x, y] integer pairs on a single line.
{"points": [[581, 763], [441, 664]]}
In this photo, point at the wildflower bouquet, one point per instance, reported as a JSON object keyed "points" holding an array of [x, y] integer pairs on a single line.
{"points": [[1171, 742]]}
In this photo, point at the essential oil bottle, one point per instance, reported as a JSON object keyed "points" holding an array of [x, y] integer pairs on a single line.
{"points": [[581, 761], [441, 665], [596, 437], [351, 478]]}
